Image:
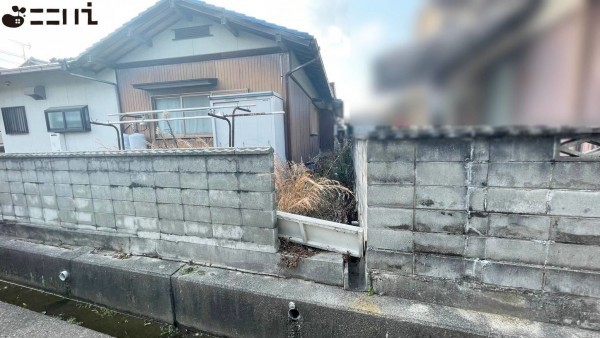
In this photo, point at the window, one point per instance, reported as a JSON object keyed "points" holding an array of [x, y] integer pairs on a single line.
{"points": [[68, 119], [15, 120], [184, 127], [192, 32], [314, 121]]}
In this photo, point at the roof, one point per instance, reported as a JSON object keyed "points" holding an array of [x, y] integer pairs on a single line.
{"points": [[388, 133], [31, 69], [165, 13], [34, 62], [437, 56]]}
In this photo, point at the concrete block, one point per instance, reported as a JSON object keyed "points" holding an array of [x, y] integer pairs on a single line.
{"points": [[125, 222], [84, 218], [256, 163], [477, 198], [519, 175], [519, 226], [194, 197], [17, 188], [576, 175], [59, 164], [105, 220], [149, 235], [232, 232], [390, 151], [441, 173], [254, 218], [63, 190], [82, 191], [124, 208], [48, 202], [119, 193], [142, 179], [394, 240], [477, 224], [19, 200], [145, 209], [170, 211], [573, 282], [8, 211], [584, 257], [50, 215], [198, 229], [443, 150], [103, 206], [439, 243], [101, 192], [221, 164], [61, 177], [575, 203], [171, 227], [67, 216], [147, 224], [118, 164], [126, 284], [226, 216], [401, 173], [576, 230], [260, 236], [192, 164], [197, 213], [41, 165], [144, 195], [510, 275], [83, 204], [222, 181], [522, 149], [439, 266], [224, 199], [193, 180], [477, 176], [390, 196], [65, 203], [165, 163], [143, 246], [36, 213], [168, 195], [398, 219], [448, 198], [45, 177], [79, 177], [513, 250], [26, 164], [97, 165], [256, 182], [21, 212], [440, 221], [481, 149], [137, 164], [119, 178], [257, 200], [29, 176], [475, 247], [99, 178], [14, 176], [525, 201], [167, 180], [396, 262], [34, 201], [77, 164], [5, 199]]}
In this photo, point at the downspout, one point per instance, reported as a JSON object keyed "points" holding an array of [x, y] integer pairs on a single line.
{"points": [[287, 76], [64, 67]]}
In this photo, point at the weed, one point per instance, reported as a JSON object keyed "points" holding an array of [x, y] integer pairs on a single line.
{"points": [[73, 320], [370, 291], [168, 331], [103, 312], [187, 270]]}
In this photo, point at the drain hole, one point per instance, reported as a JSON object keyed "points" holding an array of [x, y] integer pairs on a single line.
{"points": [[294, 314]]}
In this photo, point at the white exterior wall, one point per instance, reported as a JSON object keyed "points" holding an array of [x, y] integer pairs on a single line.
{"points": [[61, 90]]}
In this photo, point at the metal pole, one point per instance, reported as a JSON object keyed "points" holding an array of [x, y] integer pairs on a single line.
{"points": [[228, 123]]}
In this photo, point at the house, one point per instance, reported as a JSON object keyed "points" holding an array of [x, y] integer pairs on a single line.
{"points": [[182, 54], [496, 63]]}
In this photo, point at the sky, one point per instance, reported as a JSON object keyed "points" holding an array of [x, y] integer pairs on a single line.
{"points": [[350, 32]]}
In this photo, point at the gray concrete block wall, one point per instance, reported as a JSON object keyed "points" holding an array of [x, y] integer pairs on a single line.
{"points": [[498, 212], [212, 197]]}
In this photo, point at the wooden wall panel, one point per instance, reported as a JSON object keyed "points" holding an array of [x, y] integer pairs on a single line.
{"points": [[304, 146]]}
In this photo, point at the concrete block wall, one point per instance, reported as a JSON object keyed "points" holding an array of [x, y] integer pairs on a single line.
{"points": [[495, 213], [221, 198]]}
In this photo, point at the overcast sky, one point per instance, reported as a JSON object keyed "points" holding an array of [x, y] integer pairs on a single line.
{"points": [[349, 32]]}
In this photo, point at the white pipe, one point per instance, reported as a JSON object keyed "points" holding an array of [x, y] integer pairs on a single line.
{"points": [[194, 118], [178, 110]]}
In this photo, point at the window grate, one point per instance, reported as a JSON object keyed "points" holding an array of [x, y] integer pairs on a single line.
{"points": [[15, 120], [192, 32]]}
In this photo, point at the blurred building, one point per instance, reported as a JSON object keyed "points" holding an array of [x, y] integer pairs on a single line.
{"points": [[508, 62]]}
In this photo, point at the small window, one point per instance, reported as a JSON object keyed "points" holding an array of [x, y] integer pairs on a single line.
{"points": [[314, 121], [192, 32], [15, 120], [68, 119]]}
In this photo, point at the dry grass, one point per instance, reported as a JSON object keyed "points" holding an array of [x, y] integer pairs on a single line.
{"points": [[299, 191], [168, 142]]}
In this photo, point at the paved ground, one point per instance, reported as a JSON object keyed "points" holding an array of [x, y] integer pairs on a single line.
{"points": [[19, 322]]}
